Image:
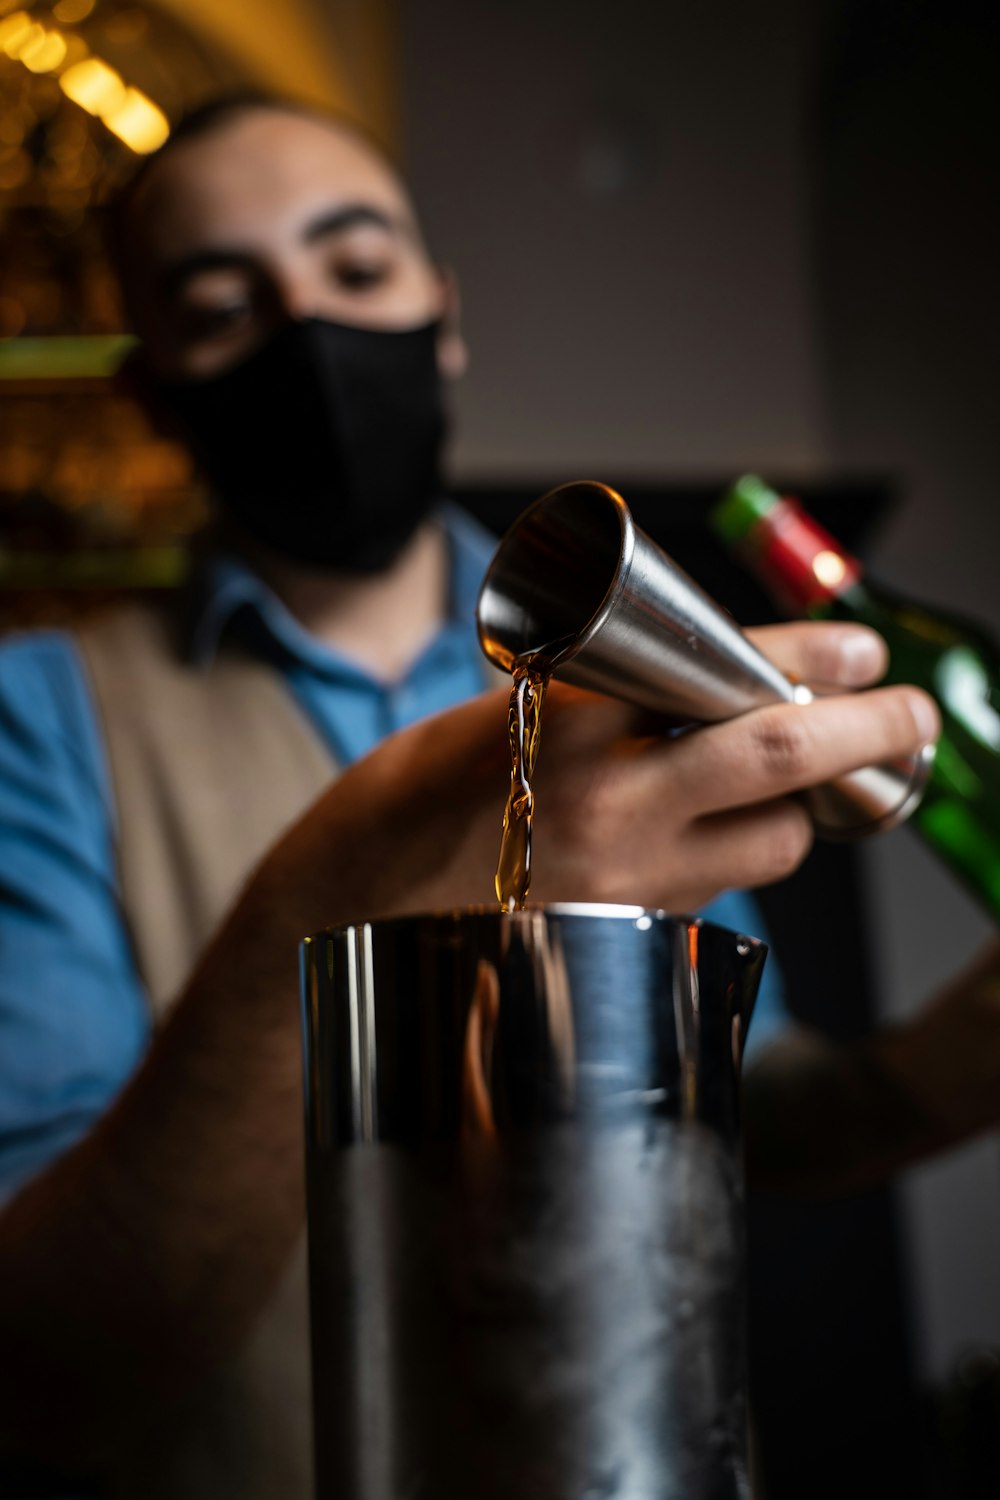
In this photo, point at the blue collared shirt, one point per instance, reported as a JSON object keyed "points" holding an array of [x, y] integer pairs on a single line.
{"points": [[74, 1020]]}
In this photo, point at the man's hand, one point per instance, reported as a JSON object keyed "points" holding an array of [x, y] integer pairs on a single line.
{"points": [[947, 1057], [823, 1117], [622, 813]]}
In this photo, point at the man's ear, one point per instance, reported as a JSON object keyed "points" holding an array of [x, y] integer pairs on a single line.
{"points": [[452, 354]]}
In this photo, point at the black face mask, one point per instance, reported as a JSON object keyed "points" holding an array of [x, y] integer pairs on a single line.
{"points": [[325, 443]]}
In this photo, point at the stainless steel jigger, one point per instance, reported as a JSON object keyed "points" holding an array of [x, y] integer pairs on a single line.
{"points": [[575, 580]]}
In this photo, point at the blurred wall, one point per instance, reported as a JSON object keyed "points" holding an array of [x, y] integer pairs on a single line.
{"points": [[696, 238], [622, 191]]}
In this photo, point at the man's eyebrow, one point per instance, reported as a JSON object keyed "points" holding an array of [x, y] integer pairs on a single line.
{"points": [[349, 216], [224, 258]]}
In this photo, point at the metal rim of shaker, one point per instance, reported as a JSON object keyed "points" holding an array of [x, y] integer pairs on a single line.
{"points": [[611, 910]]}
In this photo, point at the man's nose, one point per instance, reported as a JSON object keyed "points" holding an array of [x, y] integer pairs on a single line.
{"points": [[299, 297]]}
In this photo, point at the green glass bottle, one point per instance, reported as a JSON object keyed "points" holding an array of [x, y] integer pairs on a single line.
{"points": [[807, 572]]}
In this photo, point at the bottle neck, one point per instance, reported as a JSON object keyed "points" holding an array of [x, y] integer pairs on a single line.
{"points": [[803, 567]]}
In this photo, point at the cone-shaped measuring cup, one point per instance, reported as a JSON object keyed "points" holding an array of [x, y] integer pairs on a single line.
{"points": [[577, 585]]}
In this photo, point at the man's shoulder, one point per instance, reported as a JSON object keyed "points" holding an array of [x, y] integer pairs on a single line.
{"points": [[48, 731], [157, 620], [39, 668], [49, 663], [467, 533], [45, 676]]}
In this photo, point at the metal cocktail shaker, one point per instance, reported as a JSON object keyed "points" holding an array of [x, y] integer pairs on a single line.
{"points": [[575, 580], [526, 1205]]}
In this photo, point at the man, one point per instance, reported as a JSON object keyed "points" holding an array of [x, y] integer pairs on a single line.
{"points": [[172, 827]]}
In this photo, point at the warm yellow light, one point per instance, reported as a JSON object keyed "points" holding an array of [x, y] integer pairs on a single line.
{"points": [[138, 122], [15, 169], [93, 85], [69, 11], [126, 111], [15, 31], [829, 568], [76, 48], [27, 41], [44, 53]]}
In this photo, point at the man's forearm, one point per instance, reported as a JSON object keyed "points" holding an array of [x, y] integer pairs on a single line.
{"points": [[823, 1118], [140, 1257]]}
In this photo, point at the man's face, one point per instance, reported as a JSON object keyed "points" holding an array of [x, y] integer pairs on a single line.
{"points": [[268, 217]]}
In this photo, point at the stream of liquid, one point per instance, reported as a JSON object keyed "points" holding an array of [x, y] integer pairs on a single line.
{"points": [[524, 722]]}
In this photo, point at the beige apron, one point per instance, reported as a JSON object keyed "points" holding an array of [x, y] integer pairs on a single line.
{"points": [[208, 766]]}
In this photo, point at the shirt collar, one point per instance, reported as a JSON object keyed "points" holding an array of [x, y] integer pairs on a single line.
{"points": [[227, 594]]}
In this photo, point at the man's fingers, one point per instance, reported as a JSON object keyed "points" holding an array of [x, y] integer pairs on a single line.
{"points": [[825, 652], [754, 846], [775, 751]]}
